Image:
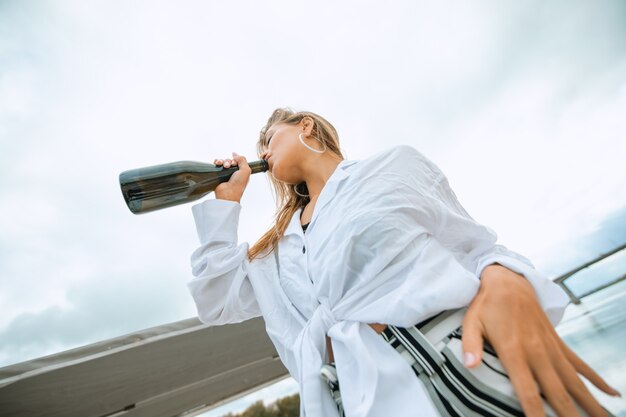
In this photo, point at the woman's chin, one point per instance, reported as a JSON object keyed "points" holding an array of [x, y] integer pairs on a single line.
{"points": [[283, 175], [278, 174]]}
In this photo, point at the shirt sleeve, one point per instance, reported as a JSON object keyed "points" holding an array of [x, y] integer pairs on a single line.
{"points": [[474, 243], [551, 297], [221, 287]]}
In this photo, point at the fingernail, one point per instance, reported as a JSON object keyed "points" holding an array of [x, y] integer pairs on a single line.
{"points": [[616, 392], [468, 359]]}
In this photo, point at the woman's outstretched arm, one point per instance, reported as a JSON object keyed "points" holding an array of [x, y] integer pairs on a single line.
{"points": [[516, 307], [506, 314]]}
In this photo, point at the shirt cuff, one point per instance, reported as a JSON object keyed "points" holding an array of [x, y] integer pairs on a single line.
{"points": [[217, 220], [552, 298]]}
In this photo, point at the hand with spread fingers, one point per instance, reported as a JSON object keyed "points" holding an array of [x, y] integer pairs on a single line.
{"points": [[536, 359]]}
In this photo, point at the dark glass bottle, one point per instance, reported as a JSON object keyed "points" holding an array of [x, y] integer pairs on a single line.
{"points": [[160, 186]]}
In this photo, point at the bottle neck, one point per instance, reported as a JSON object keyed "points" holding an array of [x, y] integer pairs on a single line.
{"points": [[259, 166]]}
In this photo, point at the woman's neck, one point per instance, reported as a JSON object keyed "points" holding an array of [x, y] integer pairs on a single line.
{"points": [[319, 171]]}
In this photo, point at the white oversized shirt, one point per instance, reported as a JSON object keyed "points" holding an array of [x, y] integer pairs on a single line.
{"points": [[388, 243]]}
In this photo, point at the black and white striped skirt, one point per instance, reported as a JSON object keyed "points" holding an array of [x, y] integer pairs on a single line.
{"points": [[434, 350]]}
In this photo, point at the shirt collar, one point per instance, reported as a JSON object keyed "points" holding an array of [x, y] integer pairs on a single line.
{"points": [[328, 192]]}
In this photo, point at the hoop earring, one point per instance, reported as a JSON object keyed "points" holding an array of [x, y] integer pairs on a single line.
{"points": [[295, 189], [313, 149]]}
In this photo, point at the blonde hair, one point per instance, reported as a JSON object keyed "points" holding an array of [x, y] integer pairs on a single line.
{"points": [[288, 200]]}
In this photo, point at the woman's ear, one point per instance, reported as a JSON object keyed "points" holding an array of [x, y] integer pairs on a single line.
{"points": [[307, 124]]}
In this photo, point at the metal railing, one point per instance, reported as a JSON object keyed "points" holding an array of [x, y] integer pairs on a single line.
{"points": [[576, 299]]}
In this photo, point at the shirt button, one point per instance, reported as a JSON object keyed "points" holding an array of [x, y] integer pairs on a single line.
{"points": [[303, 249]]}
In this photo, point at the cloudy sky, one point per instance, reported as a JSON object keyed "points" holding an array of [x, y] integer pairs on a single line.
{"points": [[522, 105]]}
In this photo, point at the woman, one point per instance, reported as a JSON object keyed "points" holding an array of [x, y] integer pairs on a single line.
{"points": [[379, 284]]}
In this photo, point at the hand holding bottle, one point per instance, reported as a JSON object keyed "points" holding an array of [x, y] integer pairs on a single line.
{"points": [[233, 188], [159, 186]]}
